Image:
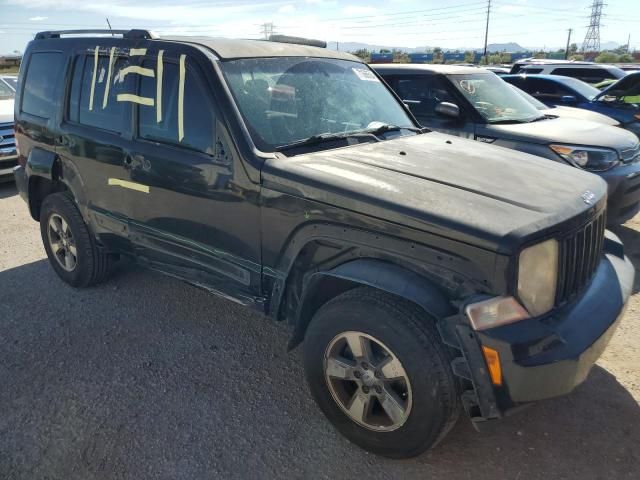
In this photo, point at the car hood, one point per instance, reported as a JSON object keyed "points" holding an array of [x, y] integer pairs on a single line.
{"points": [[582, 114], [569, 131], [488, 196], [6, 111]]}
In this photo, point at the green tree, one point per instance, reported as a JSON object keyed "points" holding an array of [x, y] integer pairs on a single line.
{"points": [[468, 57], [577, 57], [608, 57], [364, 54], [573, 49], [626, 58], [437, 55], [399, 56]]}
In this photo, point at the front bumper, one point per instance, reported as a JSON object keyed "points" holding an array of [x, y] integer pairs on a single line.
{"points": [[548, 356]]}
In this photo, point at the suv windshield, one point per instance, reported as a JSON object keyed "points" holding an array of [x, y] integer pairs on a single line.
{"points": [[494, 99], [288, 99]]}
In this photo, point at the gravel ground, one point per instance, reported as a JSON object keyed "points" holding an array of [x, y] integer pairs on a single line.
{"points": [[146, 377]]}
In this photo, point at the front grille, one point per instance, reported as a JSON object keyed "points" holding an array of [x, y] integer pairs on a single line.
{"points": [[7, 145], [579, 256]]}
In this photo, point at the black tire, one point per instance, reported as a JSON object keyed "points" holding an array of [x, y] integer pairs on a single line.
{"points": [[413, 338], [92, 263]]}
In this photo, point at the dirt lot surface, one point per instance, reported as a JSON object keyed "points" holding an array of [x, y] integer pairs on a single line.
{"points": [[146, 377]]}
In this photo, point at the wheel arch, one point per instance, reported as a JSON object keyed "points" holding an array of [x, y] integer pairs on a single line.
{"points": [[386, 276], [47, 174]]}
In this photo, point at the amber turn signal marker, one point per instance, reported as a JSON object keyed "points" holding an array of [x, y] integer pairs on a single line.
{"points": [[493, 363]]}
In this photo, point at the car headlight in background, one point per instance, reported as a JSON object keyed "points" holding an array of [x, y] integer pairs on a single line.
{"points": [[589, 158], [538, 276]]}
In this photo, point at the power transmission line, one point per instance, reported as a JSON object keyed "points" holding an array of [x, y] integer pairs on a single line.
{"points": [[592, 38]]}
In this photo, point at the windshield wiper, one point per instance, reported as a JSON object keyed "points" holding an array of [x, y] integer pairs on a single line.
{"points": [[393, 128], [506, 121], [321, 138], [326, 137], [543, 117]]}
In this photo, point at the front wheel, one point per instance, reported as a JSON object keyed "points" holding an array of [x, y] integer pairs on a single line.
{"points": [[379, 372]]}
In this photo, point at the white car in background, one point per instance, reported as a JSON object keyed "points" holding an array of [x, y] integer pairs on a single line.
{"points": [[8, 152]]}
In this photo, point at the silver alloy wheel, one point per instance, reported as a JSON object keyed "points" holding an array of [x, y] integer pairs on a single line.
{"points": [[367, 381], [62, 243]]}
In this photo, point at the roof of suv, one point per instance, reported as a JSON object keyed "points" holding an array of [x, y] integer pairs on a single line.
{"points": [[230, 49], [426, 67]]}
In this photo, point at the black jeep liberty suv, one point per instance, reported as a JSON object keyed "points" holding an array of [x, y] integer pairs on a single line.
{"points": [[424, 273]]}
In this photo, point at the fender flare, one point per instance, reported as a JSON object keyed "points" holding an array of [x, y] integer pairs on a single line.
{"points": [[40, 163], [382, 275]]}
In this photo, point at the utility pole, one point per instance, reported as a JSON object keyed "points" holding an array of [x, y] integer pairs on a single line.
{"points": [[629, 44], [109, 23], [566, 50], [267, 29], [486, 33]]}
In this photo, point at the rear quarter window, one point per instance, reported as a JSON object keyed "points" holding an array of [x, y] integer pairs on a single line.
{"points": [[43, 74], [589, 75], [103, 110]]}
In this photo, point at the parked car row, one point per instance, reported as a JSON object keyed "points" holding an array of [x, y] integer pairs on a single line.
{"points": [[620, 101], [472, 103], [424, 274]]}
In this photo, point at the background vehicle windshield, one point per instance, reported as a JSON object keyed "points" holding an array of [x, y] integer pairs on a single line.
{"points": [[5, 91], [627, 87], [12, 81], [583, 88], [287, 99], [494, 99]]}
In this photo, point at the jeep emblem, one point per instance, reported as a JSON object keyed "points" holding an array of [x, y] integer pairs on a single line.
{"points": [[588, 197]]}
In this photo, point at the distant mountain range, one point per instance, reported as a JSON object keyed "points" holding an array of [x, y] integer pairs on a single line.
{"points": [[511, 47]]}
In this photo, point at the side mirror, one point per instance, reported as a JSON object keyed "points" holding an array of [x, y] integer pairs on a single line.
{"points": [[448, 109], [568, 99]]}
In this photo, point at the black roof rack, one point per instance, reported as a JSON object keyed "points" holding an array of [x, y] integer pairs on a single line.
{"points": [[298, 41], [135, 33]]}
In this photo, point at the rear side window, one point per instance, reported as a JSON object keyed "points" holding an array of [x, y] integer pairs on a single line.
{"points": [[531, 71], [39, 85], [589, 75], [102, 110], [160, 122]]}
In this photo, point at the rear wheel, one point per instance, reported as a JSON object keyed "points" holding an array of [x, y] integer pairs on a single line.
{"points": [[379, 372], [71, 248]]}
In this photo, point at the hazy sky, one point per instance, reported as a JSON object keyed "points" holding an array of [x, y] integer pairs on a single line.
{"points": [[410, 23]]}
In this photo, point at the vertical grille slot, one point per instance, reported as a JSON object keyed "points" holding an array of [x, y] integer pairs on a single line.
{"points": [[580, 253]]}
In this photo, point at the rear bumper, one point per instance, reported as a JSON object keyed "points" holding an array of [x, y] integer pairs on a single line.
{"points": [[549, 356], [21, 180]]}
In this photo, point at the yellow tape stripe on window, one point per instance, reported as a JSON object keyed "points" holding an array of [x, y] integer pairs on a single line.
{"points": [[146, 72], [108, 84], [159, 73], [181, 99], [128, 97], [93, 80], [138, 187]]}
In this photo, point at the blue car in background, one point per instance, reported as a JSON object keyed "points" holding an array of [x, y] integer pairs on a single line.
{"points": [[555, 90]]}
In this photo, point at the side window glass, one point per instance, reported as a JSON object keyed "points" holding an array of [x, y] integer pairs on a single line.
{"points": [[100, 86], [422, 94], [43, 74], [188, 122]]}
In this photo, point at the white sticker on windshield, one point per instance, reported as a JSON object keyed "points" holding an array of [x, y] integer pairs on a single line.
{"points": [[364, 74]]}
